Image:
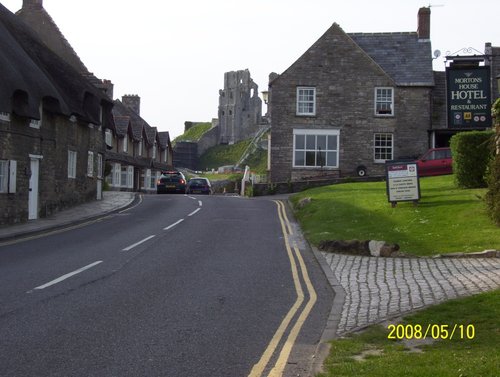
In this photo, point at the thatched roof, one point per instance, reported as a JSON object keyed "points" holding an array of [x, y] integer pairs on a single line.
{"points": [[32, 74]]}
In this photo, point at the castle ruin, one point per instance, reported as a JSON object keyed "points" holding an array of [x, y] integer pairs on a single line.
{"points": [[240, 108]]}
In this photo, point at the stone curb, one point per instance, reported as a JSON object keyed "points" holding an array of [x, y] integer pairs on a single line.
{"points": [[15, 234]]}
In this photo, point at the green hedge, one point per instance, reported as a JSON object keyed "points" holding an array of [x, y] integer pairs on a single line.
{"points": [[471, 156], [493, 194]]}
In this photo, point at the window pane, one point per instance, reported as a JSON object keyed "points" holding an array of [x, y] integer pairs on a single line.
{"points": [[299, 158], [321, 159], [310, 158], [331, 159], [300, 141], [322, 142], [332, 142], [311, 142]]}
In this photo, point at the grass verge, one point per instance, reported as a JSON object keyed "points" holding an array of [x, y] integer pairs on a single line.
{"points": [[371, 353], [446, 220]]}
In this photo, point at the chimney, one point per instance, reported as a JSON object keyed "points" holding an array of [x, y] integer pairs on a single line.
{"points": [[32, 4], [133, 102], [107, 87], [424, 23]]}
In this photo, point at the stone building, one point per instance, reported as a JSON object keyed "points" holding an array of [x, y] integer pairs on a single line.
{"points": [[351, 102], [51, 128], [240, 108], [136, 152]]}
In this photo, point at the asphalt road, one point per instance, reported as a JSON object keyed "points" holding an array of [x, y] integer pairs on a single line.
{"points": [[175, 286]]}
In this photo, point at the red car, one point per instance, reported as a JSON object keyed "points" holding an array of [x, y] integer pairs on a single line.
{"points": [[436, 161]]}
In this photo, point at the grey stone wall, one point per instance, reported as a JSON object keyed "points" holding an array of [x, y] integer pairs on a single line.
{"points": [[240, 108], [209, 139], [345, 79], [52, 141]]}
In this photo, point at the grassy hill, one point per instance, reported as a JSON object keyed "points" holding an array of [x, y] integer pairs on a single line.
{"points": [[194, 133], [222, 155]]}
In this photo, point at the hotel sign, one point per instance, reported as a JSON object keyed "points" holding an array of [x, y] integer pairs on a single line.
{"points": [[469, 97]]}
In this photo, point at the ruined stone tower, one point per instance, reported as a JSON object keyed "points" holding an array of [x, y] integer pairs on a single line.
{"points": [[240, 108]]}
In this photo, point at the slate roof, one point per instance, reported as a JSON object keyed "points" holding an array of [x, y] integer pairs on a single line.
{"points": [[32, 73], [121, 125], [403, 56], [164, 137], [122, 113]]}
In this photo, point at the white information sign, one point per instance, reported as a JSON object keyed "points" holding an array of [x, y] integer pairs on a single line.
{"points": [[402, 182]]}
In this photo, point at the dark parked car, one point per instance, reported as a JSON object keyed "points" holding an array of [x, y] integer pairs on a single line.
{"points": [[435, 161], [171, 181], [199, 185]]}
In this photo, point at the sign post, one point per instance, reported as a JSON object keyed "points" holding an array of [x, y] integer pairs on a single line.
{"points": [[402, 183]]}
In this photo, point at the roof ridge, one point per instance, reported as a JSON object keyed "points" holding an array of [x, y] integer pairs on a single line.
{"points": [[46, 30], [385, 33]]}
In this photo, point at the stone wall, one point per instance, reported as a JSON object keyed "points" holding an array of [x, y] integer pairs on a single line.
{"points": [[345, 79], [56, 191], [240, 108], [186, 155]]}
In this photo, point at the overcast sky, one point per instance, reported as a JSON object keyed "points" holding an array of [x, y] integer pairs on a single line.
{"points": [[174, 54]]}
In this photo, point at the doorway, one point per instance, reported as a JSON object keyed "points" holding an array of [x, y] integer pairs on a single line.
{"points": [[33, 187]]}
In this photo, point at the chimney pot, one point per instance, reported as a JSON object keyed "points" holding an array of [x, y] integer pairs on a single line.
{"points": [[424, 23]]}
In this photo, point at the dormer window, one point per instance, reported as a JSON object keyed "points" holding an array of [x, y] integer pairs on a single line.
{"points": [[154, 150], [140, 148], [384, 101]]}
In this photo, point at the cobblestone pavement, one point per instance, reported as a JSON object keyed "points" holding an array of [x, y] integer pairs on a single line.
{"points": [[378, 288]]}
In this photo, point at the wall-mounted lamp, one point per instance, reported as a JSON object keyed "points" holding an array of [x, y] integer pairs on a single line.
{"points": [[265, 96]]}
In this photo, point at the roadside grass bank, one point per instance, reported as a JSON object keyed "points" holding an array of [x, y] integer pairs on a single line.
{"points": [[446, 220], [471, 352]]}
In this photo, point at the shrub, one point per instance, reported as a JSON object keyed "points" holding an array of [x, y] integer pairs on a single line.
{"points": [[493, 194], [471, 156]]}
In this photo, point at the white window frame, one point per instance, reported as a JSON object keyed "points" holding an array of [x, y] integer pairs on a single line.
{"points": [[304, 101], [117, 169], [5, 116], [380, 147], [90, 164], [125, 143], [99, 165], [329, 152], [130, 176], [384, 103], [154, 150], [36, 124], [155, 176], [108, 137], [147, 179], [72, 158]]}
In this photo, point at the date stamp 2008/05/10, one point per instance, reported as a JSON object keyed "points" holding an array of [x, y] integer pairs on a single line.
{"points": [[431, 331]]}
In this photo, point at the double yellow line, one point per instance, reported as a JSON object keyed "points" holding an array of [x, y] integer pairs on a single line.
{"points": [[279, 367]]}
